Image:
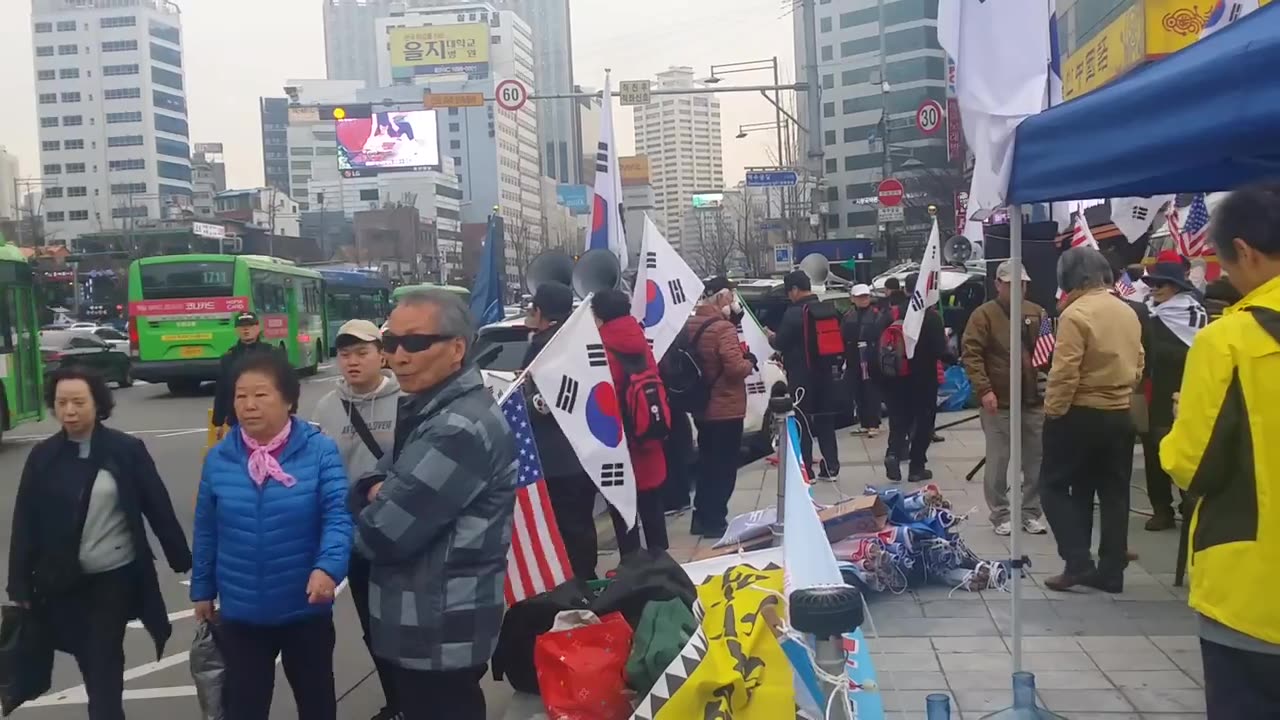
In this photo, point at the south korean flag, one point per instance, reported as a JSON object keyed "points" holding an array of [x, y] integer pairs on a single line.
{"points": [[752, 336], [1134, 215], [665, 292], [572, 374]]}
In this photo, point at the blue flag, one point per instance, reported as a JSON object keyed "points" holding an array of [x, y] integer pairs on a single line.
{"points": [[487, 291]]}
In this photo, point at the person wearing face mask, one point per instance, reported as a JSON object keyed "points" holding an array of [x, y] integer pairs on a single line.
{"points": [[78, 550], [360, 415]]}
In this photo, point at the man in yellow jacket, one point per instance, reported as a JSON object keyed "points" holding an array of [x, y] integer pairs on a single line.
{"points": [[1224, 449]]}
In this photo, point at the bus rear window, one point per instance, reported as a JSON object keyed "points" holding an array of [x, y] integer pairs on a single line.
{"points": [[164, 281]]}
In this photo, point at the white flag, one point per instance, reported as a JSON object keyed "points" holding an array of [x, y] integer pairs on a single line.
{"points": [[1000, 48], [606, 210], [808, 561], [1225, 13], [666, 290], [757, 342], [926, 294], [572, 374], [1134, 215]]}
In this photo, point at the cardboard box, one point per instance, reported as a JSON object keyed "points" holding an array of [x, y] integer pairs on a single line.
{"points": [[865, 514]]}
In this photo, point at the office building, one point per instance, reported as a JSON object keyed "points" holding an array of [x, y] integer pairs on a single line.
{"points": [[856, 146], [308, 143], [274, 118], [680, 134], [208, 176], [112, 113], [10, 200]]}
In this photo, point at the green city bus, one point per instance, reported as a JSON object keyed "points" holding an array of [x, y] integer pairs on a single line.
{"points": [[21, 371], [182, 309]]}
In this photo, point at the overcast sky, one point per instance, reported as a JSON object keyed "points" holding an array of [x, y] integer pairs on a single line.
{"points": [[239, 50]]}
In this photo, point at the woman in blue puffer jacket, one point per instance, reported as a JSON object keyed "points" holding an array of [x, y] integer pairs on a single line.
{"points": [[271, 542]]}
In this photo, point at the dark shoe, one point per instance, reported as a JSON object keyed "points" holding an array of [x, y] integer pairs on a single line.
{"points": [[1106, 583], [892, 468], [828, 472], [1066, 581], [921, 475], [938, 438], [714, 532], [678, 510], [1161, 520]]}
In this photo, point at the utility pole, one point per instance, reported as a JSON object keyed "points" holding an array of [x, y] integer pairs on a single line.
{"points": [[813, 160], [890, 251]]}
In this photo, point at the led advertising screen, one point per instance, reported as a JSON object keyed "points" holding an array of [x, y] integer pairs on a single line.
{"points": [[388, 142]]}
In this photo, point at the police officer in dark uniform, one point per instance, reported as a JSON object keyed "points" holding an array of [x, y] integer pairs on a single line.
{"points": [[248, 332]]}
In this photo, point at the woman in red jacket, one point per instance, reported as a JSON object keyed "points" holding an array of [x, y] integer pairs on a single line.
{"points": [[630, 357]]}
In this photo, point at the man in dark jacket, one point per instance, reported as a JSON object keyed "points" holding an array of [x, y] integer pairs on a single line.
{"points": [[860, 330], [811, 379], [572, 493], [913, 400], [435, 522], [248, 332]]}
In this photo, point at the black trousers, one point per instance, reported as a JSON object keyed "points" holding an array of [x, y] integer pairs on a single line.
{"points": [[440, 694], [866, 398], [1240, 685], [816, 422], [306, 651], [651, 517], [913, 408], [573, 499], [679, 452], [1088, 453], [89, 622], [1159, 484], [719, 442], [358, 581]]}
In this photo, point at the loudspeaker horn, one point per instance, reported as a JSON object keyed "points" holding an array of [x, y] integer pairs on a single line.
{"points": [[957, 250], [550, 266], [596, 270], [816, 266]]}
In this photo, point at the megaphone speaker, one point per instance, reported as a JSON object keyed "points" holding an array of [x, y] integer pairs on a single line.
{"points": [[596, 270], [550, 266]]}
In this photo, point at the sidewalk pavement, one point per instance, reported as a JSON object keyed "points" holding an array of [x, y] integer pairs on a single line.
{"points": [[1095, 655]]}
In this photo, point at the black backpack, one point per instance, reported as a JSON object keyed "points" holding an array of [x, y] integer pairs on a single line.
{"points": [[688, 388]]}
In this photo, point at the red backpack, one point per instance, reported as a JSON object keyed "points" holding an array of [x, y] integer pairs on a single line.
{"points": [[646, 414], [892, 349], [825, 342]]}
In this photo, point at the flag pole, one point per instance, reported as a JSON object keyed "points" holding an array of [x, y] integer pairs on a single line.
{"points": [[1014, 473]]}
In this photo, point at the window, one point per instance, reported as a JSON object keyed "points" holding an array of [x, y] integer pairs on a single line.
{"points": [[268, 292], [828, 81], [75, 168], [72, 120], [75, 215], [826, 53], [77, 191], [69, 73], [833, 222], [828, 110], [49, 122], [130, 164], [119, 46], [166, 32], [46, 74], [454, 127], [173, 148], [175, 126], [302, 151], [118, 22], [173, 171], [860, 219], [71, 49], [166, 101], [167, 78], [327, 150], [128, 188], [300, 165], [70, 97], [369, 195], [114, 70], [173, 190], [53, 193], [168, 56], [56, 216], [453, 111], [123, 117], [47, 98], [73, 144], [831, 165], [455, 144], [124, 141], [129, 212], [824, 25], [325, 136], [829, 137], [833, 193], [43, 27], [122, 93], [66, 26], [300, 180], [44, 51]]}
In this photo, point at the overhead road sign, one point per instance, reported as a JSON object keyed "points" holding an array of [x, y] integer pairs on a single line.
{"points": [[634, 92], [435, 100], [772, 178]]}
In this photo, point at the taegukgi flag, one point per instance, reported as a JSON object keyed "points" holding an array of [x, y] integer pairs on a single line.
{"points": [[926, 294], [666, 290], [606, 210], [752, 334], [1224, 12], [572, 375], [1134, 215]]}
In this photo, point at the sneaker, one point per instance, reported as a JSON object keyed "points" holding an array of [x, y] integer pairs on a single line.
{"points": [[858, 431], [873, 432], [1004, 529], [828, 473], [892, 468], [1034, 526]]}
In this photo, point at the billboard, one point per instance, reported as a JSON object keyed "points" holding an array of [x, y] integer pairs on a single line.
{"points": [[1172, 25], [707, 200], [1106, 55], [439, 50], [388, 142], [578, 198], [634, 170]]}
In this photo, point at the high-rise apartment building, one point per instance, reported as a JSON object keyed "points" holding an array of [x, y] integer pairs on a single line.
{"points": [[680, 134], [274, 117], [10, 198], [208, 176], [112, 112]]}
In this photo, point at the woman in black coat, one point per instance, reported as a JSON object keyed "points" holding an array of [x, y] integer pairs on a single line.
{"points": [[78, 554]]}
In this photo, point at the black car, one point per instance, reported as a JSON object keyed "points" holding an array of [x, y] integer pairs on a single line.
{"points": [[66, 348]]}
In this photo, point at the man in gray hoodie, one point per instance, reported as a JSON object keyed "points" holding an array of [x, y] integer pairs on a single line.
{"points": [[360, 415]]}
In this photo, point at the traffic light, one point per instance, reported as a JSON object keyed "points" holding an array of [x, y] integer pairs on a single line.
{"points": [[345, 112]]}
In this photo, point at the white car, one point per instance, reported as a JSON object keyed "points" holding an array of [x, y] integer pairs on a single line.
{"points": [[117, 340]]}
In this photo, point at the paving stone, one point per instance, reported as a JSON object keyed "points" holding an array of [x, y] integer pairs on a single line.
{"points": [[1046, 644], [911, 700], [983, 701], [1038, 662], [1072, 702], [1152, 679], [980, 679], [1141, 660], [975, 662], [1116, 643], [907, 662], [1160, 700], [1191, 663], [970, 645], [956, 608], [1072, 680], [1177, 643], [939, 627], [913, 680], [894, 645]]}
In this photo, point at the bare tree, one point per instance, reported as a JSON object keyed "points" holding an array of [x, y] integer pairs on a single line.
{"points": [[717, 242], [523, 244], [753, 243]]}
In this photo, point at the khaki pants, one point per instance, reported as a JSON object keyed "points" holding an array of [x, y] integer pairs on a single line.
{"points": [[996, 480]]}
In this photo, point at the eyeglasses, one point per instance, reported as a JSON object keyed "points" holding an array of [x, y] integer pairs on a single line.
{"points": [[413, 343]]}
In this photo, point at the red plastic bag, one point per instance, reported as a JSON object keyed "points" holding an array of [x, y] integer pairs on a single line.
{"points": [[580, 671]]}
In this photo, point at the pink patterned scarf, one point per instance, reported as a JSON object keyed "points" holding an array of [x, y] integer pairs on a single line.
{"points": [[262, 464]]}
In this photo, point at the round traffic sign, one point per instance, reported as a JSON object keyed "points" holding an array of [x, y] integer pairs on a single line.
{"points": [[890, 192], [929, 117], [511, 95]]}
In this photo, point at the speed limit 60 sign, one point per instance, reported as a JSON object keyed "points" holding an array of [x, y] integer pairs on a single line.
{"points": [[929, 117], [511, 95]]}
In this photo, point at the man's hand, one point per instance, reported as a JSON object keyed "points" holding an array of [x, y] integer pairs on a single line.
{"points": [[373, 494], [205, 612], [321, 587], [989, 403]]}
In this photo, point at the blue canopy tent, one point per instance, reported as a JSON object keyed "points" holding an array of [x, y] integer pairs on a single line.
{"points": [[1204, 119]]}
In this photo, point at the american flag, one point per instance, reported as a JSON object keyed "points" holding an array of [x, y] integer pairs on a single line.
{"points": [[1082, 236], [1193, 237], [536, 561], [1045, 343], [1124, 286]]}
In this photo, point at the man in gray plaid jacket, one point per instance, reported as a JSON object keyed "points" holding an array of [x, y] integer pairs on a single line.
{"points": [[435, 521]]}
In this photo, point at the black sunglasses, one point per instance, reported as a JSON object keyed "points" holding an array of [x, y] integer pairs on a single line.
{"points": [[412, 343]]}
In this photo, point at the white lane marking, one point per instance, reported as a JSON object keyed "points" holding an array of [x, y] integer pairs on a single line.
{"points": [[183, 432]]}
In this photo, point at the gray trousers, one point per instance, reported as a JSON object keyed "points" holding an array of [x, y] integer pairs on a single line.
{"points": [[996, 480]]}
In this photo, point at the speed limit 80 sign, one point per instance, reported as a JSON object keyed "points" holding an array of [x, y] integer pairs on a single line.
{"points": [[929, 117], [511, 95]]}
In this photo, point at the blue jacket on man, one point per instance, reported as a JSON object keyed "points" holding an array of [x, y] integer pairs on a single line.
{"points": [[255, 548]]}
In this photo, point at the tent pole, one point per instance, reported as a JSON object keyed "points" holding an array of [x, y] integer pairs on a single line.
{"points": [[1016, 335]]}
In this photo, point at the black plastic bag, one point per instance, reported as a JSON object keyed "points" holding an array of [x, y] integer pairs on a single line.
{"points": [[208, 672], [521, 626], [26, 658], [644, 577]]}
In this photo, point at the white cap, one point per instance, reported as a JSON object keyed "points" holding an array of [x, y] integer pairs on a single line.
{"points": [[860, 289], [362, 330]]}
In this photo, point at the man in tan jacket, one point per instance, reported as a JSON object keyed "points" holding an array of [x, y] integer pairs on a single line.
{"points": [[986, 360], [1088, 432]]}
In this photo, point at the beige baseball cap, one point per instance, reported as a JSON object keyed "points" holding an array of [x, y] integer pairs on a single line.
{"points": [[1004, 272], [361, 330]]}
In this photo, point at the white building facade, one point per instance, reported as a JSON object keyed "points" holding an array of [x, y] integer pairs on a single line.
{"points": [[10, 189], [680, 134], [112, 109]]}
